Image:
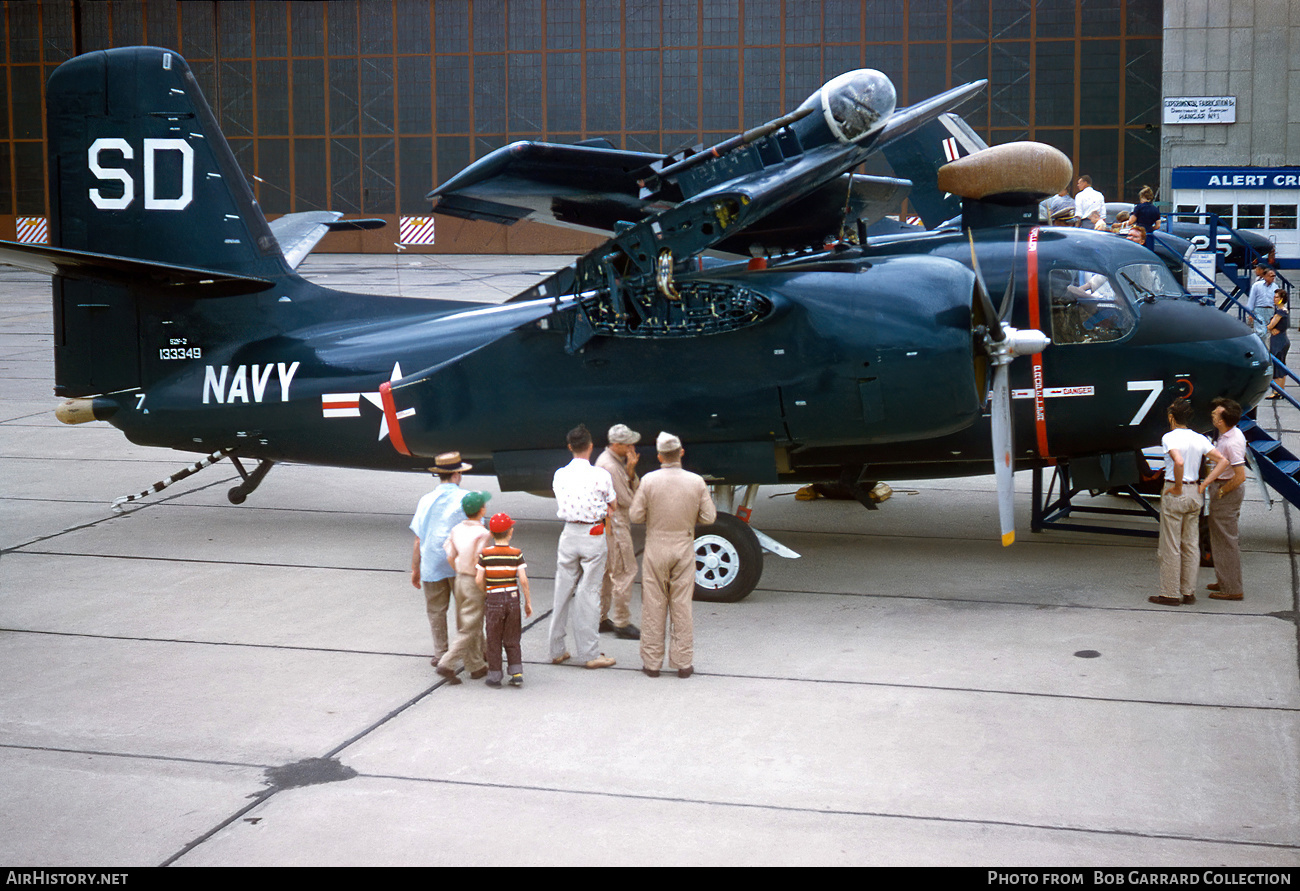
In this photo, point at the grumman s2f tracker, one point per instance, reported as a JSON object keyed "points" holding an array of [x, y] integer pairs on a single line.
{"points": [[179, 320]]}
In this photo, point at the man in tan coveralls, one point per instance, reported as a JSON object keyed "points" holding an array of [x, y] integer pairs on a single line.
{"points": [[670, 501], [620, 458]]}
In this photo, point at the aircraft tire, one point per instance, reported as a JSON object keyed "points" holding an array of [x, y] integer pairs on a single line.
{"points": [[728, 560]]}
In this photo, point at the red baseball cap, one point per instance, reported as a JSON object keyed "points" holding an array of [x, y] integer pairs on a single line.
{"points": [[500, 522]]}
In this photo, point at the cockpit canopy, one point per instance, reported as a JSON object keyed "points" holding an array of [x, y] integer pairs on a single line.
{"points": [[855, 103], [1092, 307]]}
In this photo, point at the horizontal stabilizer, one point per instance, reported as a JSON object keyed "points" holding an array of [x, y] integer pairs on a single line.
{"points": [[299, 233], [86, 266]]}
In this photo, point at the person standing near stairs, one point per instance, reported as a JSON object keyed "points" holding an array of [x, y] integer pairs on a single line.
{"points": [[1226, 492], [1180, 505]]}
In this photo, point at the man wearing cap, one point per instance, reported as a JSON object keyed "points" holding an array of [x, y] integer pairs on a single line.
{"points": [[670, 501], [619, 459], [1060, 208], [466, 540], [436, 513], [584, 495]]}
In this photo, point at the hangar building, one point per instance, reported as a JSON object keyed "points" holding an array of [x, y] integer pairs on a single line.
{"points": [[362, 106]]}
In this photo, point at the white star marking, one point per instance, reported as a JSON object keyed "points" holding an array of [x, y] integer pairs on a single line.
{"points": [[378, 401]]}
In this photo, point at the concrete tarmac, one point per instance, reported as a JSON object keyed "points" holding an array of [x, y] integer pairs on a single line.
{"points": [[195, 683]]}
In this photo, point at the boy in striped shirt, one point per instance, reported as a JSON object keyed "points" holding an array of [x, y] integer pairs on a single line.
{"points": [[502, 575]]}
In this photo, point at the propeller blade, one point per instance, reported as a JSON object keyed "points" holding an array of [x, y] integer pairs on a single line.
{"points": [[991, 317], [1004, 311], [1002, 459]]}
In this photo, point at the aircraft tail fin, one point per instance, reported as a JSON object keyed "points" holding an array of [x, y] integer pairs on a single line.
{"points": [[918, 157], [139, 167], [148, 208]]}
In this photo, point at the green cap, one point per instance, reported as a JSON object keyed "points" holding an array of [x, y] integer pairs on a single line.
{"points": [[473, 502]]}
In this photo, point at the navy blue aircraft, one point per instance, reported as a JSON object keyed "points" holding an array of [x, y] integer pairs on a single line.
{"points": [[179, 318]]}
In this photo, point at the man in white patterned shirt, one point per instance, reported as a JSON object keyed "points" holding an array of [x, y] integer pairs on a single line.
{"points": [[584, 496]]}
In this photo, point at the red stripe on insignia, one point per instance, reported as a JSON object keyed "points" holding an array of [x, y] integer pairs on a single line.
{"points": [[390, 412], [1035, 321]]}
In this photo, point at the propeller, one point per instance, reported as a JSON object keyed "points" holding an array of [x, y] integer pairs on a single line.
{"points": [[1002, 343]]}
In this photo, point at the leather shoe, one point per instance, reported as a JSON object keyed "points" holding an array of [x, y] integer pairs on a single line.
{"points": [[650, 672], [1212, 586], [475, 675], [606, 626], [686, 672], [558, 659], [1167, 601], [627, 632], [1189, 598], [1219, 595], [600, 662], [449, 674]]}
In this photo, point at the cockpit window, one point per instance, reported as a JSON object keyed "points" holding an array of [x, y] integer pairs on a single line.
{"points": [[1088, 308], [1148, 280]]}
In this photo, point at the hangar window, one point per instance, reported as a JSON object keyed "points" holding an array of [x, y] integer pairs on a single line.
{"points": [[1224, 212], [1087, 307], [1282, 216], [1250, 216]]}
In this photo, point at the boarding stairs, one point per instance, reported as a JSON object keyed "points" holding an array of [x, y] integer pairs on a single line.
{"points": [[1272, 462]]}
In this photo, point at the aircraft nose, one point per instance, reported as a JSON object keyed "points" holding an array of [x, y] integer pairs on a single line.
{"points": [[1236, 364], [1212, 350]]}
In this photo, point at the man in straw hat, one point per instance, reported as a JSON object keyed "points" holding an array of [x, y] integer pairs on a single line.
{"points": [[436, 513], [670, 502]]}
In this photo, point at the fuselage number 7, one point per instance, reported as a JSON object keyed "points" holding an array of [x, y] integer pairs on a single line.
{"points": [[1154, 387]]}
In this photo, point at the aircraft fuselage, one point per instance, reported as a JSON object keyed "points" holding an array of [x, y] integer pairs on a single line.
{"points": [[861, 359]]}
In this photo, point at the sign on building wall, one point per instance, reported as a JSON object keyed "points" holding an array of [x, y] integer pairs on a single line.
{"points": [[1263, 200], [1200, 110], [1235, 178]]}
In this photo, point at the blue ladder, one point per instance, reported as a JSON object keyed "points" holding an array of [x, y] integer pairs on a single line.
{"points": [[1278, 467]]}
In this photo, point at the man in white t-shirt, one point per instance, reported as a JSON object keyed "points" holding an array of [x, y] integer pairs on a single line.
{"points": [[1225, 495], [1180, 505]]}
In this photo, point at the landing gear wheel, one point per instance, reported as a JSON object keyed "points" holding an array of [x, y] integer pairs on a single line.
{"points": [[239, 494], [728, 560]]}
